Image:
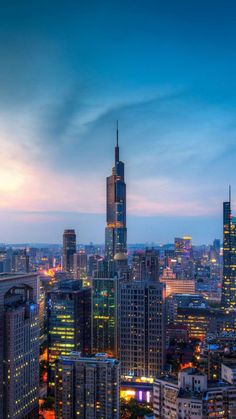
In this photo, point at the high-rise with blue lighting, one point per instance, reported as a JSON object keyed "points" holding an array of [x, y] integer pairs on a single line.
{"points": [[116, 231], [228, 299]]}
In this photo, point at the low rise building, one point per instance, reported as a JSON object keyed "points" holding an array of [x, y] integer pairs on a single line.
{"points": [[192, 396]]}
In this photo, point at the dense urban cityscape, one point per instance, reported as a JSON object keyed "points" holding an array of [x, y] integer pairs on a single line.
{"points": [[117, 330], [118, 209]]}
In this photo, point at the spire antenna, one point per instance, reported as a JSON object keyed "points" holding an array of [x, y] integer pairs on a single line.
{"points": [[229, 193], [117, 143], [117, 133]]}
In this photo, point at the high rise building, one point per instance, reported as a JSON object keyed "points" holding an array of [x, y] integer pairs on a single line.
{"points": [[105, 306], [116, 232], [80, 265], [141, 328], [19, 346], [87, 387], [20, 261], [145, 265], [228, 297], [69, 323], [69, 249]]}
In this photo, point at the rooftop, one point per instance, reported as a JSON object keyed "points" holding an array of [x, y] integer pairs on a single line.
{"points": [[10, 275], [98, 358]]}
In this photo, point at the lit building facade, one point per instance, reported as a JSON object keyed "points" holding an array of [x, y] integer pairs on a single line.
{"points": [[116, 231], [19, 346], [183, 247], [69, 249], [87, 387], [141, 329], [196, 320], [178, 286], [228, 297], [69, 323], [105, 306]]}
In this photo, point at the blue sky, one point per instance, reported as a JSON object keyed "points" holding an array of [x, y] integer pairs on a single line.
{"points": [[70, 69]]}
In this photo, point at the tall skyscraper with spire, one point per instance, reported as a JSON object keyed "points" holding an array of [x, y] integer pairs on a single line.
{"points": [[228, 299], [116, 231]]}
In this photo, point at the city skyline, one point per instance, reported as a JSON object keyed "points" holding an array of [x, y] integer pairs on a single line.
{"points": [[167, 74]]}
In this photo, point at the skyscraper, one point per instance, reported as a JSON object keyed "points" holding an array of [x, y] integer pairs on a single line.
{"points": [[141, 328], [116, 232], [87, 387], [19, 346], [69, 322], [105, 315], [69, 249], [228, 298]]}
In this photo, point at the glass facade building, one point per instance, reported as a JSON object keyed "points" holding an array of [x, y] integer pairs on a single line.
{"points": [[105, 315], [228, 298], [116, 232], [69, 323]]}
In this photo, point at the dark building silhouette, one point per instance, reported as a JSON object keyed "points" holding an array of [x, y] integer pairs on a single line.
{"points": [[69, 249], [145, 265]]}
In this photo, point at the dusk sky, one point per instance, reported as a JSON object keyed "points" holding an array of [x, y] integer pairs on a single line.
{"points": [[69, 69]]}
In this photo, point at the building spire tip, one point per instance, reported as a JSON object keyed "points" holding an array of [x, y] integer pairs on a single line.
{"points": [[117, 133]]}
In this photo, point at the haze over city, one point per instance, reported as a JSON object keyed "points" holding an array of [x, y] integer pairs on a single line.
{"points": [[165, 70]]}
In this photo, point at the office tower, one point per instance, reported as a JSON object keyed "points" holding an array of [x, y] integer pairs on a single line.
{"points": [[116, 232], [105, 315], [20, 261], [69, 323], [93, 261], [80, 265], [87, 387], [19, 346], [145, 265], [192, 396], [141, 328], [228, 297], [69, 249], [175, 301]]}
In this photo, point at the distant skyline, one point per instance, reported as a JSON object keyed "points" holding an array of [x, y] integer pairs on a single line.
{"points": [[69, 70]]}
